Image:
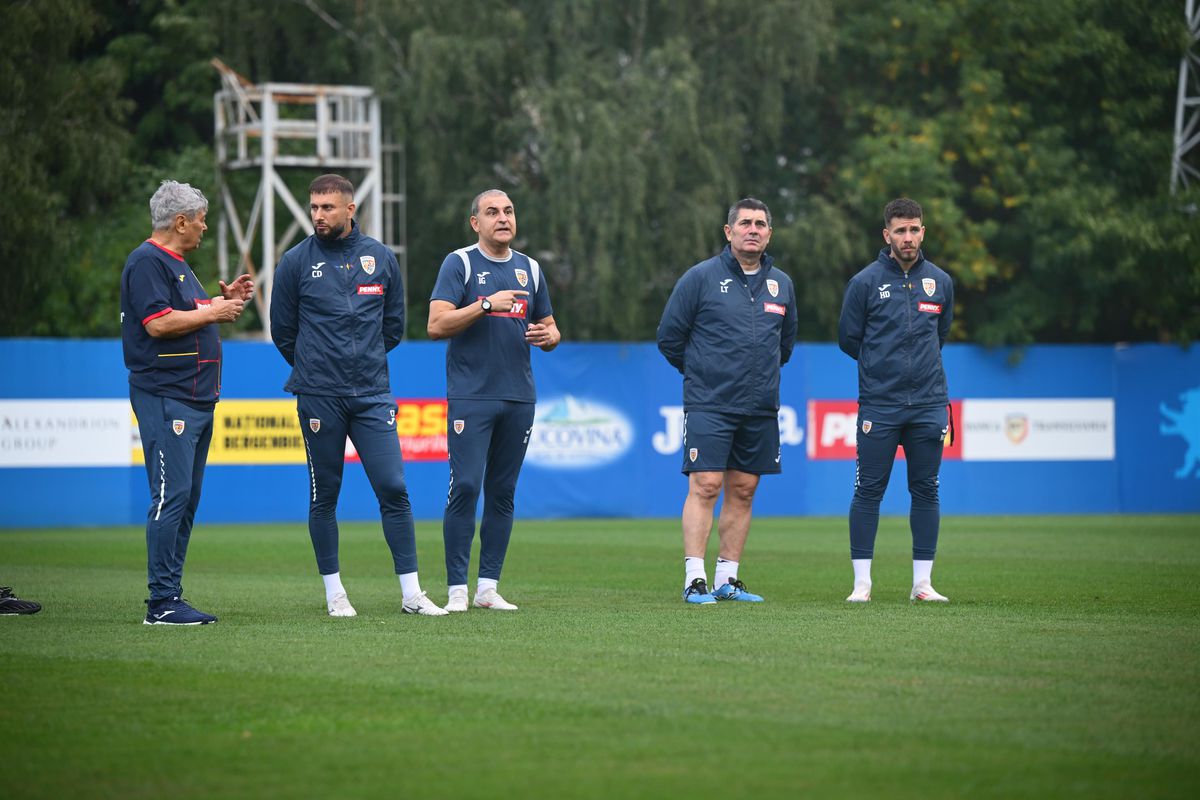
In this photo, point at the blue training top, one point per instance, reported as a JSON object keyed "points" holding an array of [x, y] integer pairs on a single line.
{"points": [[490, 359], [155, 282]]}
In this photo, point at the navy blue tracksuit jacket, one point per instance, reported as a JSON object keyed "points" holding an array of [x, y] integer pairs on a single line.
{"points": [[894, 324], [729, 333], [337, 308]]}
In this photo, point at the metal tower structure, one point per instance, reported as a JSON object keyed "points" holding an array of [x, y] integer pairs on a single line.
{"points": [[1187, 107], [273, 128]]}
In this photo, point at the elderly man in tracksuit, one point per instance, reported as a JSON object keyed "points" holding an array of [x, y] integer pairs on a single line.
{"points": [[337, 308], [895, 318], [729, 326]]}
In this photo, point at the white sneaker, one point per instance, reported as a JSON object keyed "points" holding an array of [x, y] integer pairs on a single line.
{"points": [[861, 593], [339, 606], [458, 600], [421, 604], [924, 591], [490, 598]]}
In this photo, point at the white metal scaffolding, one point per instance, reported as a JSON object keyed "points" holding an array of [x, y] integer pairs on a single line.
{"points": [[1184, 170], [315, 128]]}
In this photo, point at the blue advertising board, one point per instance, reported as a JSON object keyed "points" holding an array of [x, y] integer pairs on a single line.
{"points": [[1049, 429]]}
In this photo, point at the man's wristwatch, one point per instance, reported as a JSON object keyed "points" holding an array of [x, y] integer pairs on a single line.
{"points": [[486, 305]]}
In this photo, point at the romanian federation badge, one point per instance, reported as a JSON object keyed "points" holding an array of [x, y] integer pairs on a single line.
{"points": [[368, 264]]}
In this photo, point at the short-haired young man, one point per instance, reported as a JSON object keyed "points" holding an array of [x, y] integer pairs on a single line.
{"points": [[337, 308], [896, 315]]}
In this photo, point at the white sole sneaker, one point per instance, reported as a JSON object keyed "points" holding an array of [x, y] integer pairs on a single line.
{"points": [[490, 598], [339, 606], [861, 593], [924, 592], [458, 601], [423, 606]]}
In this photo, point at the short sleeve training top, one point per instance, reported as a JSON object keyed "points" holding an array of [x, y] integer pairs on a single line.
{"points": [[155, 282], [490, 359]]}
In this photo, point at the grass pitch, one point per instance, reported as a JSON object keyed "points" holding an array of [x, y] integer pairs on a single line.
{"points": [[1064, 666]]}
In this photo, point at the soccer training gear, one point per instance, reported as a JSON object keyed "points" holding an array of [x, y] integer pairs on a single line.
{"points": [[697, 593], [175, 611], [421, 604], [490, 598], [339, 606], [861, 593], [11, 605], [458, 599], [924, 591], [735, 590]]}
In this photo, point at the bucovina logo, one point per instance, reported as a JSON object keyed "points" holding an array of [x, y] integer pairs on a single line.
{"points": [[575, 433], [1185, 423]]}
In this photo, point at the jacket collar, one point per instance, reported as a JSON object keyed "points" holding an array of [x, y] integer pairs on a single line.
{"points": [[885, 258], [732, 264]]}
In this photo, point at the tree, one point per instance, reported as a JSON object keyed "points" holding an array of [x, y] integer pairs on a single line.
{"points": [[1038, 139], [61, 149]]}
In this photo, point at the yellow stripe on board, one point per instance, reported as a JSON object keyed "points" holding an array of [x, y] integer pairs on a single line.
{"points": [[176, 355]]}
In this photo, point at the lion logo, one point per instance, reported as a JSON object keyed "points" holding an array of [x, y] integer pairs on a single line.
{"points": [[1185, 423]]}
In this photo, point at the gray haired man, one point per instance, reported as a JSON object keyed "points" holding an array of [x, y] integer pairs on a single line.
{"points": [[173, 353]]}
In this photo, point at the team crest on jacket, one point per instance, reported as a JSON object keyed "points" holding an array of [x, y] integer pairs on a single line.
{"points": [[368, 264], [460, 425], [522, 277], [866, 426], [178, 425], [929, 285], [773, 287], [693, 453], [314, 425]]}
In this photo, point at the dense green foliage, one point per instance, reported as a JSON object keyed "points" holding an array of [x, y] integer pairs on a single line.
{"points": [[1064, 666], [1038, 137]]}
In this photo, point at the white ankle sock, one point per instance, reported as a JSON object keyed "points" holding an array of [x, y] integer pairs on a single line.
{"points": [[921, 571], [462, 586], [693, 567], [333, 585], [409, 585], [862, 569], [725, 571], [483, 584]]}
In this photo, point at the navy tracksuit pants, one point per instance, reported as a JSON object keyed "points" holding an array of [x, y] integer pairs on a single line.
{"points": [[921, 431], [175, 438], [487, 440], [370, 423]]}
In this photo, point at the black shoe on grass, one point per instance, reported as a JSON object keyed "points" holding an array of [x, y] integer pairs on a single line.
{"points": [[11, 605], [175, 611]]}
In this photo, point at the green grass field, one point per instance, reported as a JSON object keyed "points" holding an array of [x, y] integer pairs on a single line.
{"points": [[1064, 666]]}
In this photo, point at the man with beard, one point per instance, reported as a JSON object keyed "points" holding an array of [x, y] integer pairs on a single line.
{"points": [[337, 308], [895, 318]]}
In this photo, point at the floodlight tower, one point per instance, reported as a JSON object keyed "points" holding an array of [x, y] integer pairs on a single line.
{"points": [[274, 127], [1187, 108]]}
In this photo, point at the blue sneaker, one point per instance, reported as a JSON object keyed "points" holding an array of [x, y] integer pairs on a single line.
{"points": [[736, 590], [698, 593], [175, 611]]}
